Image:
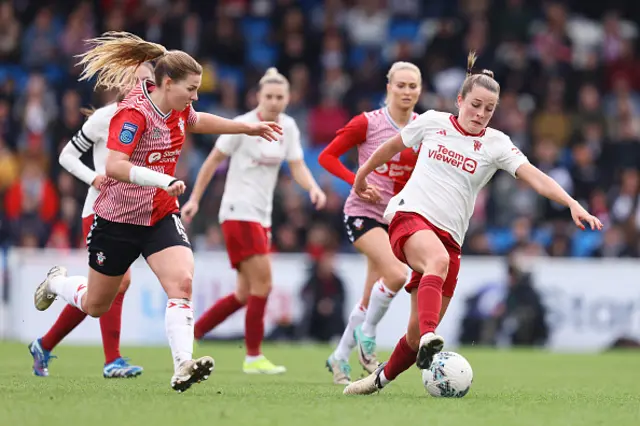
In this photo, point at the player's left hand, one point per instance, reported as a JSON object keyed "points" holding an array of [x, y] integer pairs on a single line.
{"points": [[318, 197], [580, 215], [268, 130]]}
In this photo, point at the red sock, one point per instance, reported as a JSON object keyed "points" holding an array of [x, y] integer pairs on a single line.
{"points": [[110, 325], [69, 319], [401, 359], [254, 324], [429, 303], [216, 314]]}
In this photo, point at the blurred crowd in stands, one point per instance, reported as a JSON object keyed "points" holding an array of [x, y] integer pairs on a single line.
{"points": [[570, 76]]}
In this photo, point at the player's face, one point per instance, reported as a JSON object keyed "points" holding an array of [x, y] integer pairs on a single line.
{"points": [[476, 109], [143, 72], [404, 89], [180, 93], [273, 98]]}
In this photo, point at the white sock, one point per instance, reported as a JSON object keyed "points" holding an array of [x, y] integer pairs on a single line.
{"points": [[251, 358], [379, 302], [347, 342], [178, 322], [383, 379], [70, 289]]}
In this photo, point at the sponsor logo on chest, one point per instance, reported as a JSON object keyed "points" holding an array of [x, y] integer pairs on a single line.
{"points": [[163, 156], [453, 158]]}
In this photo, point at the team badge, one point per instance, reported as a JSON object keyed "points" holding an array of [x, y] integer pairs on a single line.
{"points": [[128, 133], [181, 125], [100, 258], [477, 145]]}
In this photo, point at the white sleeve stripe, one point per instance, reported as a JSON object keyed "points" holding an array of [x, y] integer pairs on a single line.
{"points": [[81, 141], [79, 145], [86, 138]]}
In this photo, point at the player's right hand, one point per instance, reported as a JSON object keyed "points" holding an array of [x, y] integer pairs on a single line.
{"points": [[98, 181], [372, 194], [360, 187], [189, 210], [176, 188]]}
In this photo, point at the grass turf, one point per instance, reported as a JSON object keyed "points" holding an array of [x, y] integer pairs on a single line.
{"points": [[516, 387]]}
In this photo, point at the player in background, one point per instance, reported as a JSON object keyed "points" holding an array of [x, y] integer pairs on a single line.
{"points": [[430, 216], [137, 211], [93, 134], [245, 212], [364, 222]]}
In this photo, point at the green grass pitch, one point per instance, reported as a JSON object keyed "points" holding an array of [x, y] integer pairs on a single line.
{"points": [[516, 387]]}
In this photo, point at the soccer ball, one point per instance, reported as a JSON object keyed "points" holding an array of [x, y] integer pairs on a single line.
{"points": [[450, 376]]}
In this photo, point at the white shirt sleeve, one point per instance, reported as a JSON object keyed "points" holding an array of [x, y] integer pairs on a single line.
{"points": [[508, 157], [93, 131], [294, 147], [228, 144], [413, 133]]}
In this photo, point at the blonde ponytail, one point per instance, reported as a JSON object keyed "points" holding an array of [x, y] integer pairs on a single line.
{"points": [[273, 76]]}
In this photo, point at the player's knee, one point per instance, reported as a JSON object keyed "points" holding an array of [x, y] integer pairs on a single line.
{"points": [[124, 285], [181, 288], [395, 277], [261, 287], [96, 310], [439, 264], [242, 295]]}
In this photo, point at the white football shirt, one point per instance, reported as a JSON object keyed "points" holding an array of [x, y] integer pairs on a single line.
{"points": [[253, 170], [94, 133], [453, 166]]}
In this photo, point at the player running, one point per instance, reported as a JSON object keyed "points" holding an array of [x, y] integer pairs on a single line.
{"points": [[94, 133], [364, 222], [137, 211], [245, 212], [430, 216]]}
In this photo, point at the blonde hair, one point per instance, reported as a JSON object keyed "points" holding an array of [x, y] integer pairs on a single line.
{"points": [[400, 66], [115, 56], [273, 76], [484, 78], [122, 93]]}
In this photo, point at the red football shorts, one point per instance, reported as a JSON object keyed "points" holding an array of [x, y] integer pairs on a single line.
{"points": [[245, 239], [404, 225], [86, 226]]}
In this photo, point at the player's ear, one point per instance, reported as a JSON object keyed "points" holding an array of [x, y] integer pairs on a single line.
{"points": [[459, 101], [167, 83]]}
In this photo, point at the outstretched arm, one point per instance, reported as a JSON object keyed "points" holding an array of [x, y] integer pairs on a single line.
{"points": [[213, 124], [549, 188]]}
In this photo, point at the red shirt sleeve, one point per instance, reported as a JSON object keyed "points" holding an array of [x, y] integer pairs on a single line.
{"points": [[125, 130], [353, 134]]}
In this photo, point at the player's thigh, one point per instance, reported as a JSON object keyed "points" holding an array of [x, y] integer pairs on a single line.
{"points": [[256, 270], [375, 245], [426, 254], [168, 253], [174, 268], [112, 247], [370, 280], [101, 291]]}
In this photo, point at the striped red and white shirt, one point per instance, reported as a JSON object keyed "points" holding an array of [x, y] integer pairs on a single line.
{"points": [[153, 140], [368, 131]]}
